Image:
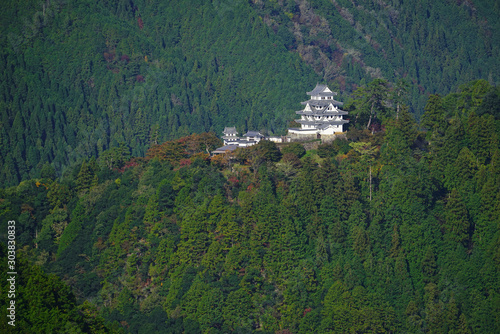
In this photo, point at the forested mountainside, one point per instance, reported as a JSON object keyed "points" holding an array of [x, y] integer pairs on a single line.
{"points": [[79, 77], [434, 45], [47, 304], [395, 231]]}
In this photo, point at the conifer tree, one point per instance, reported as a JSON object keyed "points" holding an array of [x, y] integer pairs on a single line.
{"points": [[85, 177], [237, 310], [209, 310], [395, 242], [461, 174], [307, 188], [457, 219], [346, 195], [429, 266], [445, 150], [481, 135], [434, 117], [329, 177], [413, 318], [48, 172], [371, 101], [463, 328]]}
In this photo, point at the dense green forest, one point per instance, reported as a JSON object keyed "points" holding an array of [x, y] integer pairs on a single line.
{"points": [[80, 78], [47, 305], [393, 229], [435, 45], [125, 223]]}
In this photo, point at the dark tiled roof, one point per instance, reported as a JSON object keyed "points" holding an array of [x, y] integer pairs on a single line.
{"points": [[322, 102], [322, 112], [230, 130], [318, 123], [253, 134], [318, 89], [223, 149]]}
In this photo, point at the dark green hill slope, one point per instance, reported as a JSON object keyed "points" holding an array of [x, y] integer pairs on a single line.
{"points": [[79, 78], [393, 232], [34, 302], [434, 45]]}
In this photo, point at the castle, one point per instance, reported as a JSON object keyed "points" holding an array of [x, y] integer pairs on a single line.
{"points": [[321, 115]]}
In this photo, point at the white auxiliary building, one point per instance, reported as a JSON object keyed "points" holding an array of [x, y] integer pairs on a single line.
{"points": [[250, 138], [321, 115], [232, 141]]}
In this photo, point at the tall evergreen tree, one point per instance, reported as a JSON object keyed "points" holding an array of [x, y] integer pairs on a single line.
{"points": [[457, 219]]}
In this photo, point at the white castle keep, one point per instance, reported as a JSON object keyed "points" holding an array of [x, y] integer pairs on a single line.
{"points": [[321, 115]]}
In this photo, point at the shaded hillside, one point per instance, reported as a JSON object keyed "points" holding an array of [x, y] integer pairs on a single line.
{"points": [[433, 45], [79, 78], [42, 303], [396, 231]]}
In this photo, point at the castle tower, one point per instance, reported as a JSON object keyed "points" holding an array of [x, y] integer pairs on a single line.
{"points": [[321, 114], [230, 136]]}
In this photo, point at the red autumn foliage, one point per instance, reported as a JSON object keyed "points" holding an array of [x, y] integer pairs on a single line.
{"points": [[185, 162], [233, 180], [139, 78], [178, 151], [140, 23], [129, 164], [125, 58]]}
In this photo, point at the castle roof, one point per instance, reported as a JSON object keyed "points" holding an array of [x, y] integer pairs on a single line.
{"points": [[321, 90], [253, 134], [320, 124], [322, 112], [224, 149], [230, 130], [322, 103]]}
